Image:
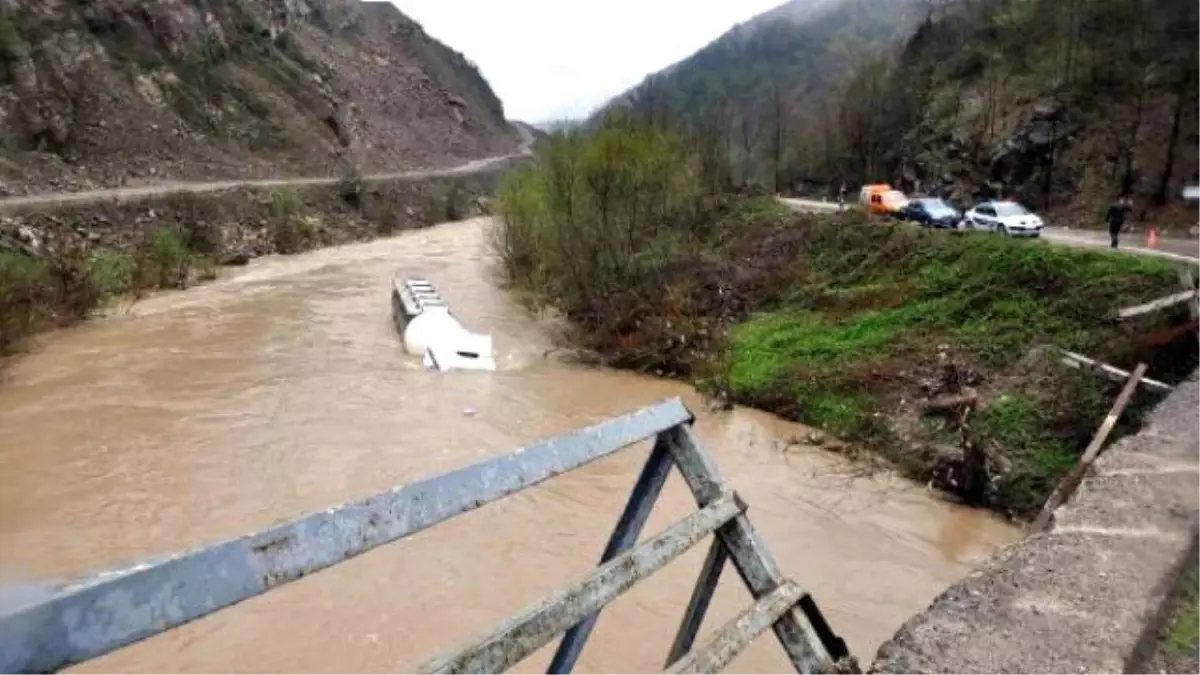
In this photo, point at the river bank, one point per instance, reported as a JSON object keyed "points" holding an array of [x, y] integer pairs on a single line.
{"points": [[1110, 583], [60, 262], [933, 350], [282, 388]]}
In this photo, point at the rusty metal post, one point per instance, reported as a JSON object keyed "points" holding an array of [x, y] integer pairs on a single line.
{"points": [[736, 635], [524, 634], [96, 615], [1067, 486], [637, 510], [87, 619], [750, 556], [693, 616]]}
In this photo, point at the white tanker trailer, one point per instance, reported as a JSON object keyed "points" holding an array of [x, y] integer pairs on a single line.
{"points": [[431, 332]]}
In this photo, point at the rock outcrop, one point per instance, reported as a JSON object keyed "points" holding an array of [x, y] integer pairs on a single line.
{"points": [[115, 92]]}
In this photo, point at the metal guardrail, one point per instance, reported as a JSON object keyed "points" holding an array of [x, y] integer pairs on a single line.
{"points": [[104, 613]]}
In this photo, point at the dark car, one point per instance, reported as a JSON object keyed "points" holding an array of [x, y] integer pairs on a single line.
{"points": [[932, 212]]}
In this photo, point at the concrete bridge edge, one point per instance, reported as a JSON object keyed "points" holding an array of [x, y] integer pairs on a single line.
{"points": [[1089, 594]]}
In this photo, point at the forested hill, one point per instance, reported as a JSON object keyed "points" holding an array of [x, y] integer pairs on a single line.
{"points": [[1062, 103], [781, 65]]}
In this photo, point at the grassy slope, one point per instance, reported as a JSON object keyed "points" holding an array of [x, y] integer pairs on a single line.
{"points": [[848, 324], [875, 309]]}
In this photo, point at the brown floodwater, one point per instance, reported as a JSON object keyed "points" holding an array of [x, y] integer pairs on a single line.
{"points": [[282, 388]]}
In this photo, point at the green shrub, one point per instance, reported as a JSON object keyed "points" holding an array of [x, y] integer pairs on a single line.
{"points": [[384, 207], [24, 291], [456, 206], [838, 321], [577, 220], [163, 260], [290, 231], [36, 294], [198, 217], [112, 272]]}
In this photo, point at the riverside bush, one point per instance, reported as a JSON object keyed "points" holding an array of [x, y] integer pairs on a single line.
{"points": [[840, 321]]}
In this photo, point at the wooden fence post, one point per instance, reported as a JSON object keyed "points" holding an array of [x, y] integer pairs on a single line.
{"points": [[1067, 486]]}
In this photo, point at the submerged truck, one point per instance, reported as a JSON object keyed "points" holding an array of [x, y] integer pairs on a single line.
{"points": [[432, 333]]}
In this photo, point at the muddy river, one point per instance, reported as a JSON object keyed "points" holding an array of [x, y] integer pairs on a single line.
{"points": [[282, 388]]}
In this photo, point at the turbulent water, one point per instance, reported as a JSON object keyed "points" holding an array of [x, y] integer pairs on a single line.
{"points": [[283, 388]]}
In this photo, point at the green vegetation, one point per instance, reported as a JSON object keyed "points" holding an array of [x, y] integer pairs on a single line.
{"points": [[38, 293], [590, 221], [23, 282], [291, 230], [1183, 632], [766, 88], [1060, 104], [841, 322], [113, 272], [455, 203], [867, 301], [163, 260], [10, 39], [71, 282]]}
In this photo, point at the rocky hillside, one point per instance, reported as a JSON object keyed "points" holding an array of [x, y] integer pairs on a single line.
{"points": [[122, 92], [1065, 104], [761, 84]]}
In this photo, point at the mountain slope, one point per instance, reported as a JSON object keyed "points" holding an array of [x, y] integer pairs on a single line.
{"points": [[112, 92], [781, 65], [1063, 103]]}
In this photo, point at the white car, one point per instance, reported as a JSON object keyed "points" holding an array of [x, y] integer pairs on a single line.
{"points": [[1005, 217]]}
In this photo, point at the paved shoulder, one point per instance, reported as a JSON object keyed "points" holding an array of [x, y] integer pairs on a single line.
{"points": [[1185, 250]]}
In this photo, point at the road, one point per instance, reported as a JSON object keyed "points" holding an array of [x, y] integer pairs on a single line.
{"points": [[150, 191], [1184, 250]]}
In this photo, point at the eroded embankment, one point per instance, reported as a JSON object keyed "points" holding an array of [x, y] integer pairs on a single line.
{"points": [[58, 262], [1090, 594], [938, 351]]}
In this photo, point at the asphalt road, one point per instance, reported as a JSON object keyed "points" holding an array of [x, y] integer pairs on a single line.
{"points": [[1184, 250]]}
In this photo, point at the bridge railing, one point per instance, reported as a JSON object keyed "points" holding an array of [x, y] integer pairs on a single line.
{"points": [[101, 614]]}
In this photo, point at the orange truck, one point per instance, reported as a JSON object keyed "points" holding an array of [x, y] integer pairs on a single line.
{"points": [[882, 200]]}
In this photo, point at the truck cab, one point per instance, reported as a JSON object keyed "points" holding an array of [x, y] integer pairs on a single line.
{"points": [[882, 200]]}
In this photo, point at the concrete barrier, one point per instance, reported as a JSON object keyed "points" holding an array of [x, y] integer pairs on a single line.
{"points": [[1089, 594]]}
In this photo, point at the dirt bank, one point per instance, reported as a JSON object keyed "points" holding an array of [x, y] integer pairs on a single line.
{"points": [[1099, 586], [935, 350], [58, 262]]}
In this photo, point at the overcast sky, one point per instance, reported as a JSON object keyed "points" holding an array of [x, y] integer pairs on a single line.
{"points": [[549, 59]]}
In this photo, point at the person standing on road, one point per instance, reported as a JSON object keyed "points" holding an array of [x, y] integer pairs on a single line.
{"points": [[842, 198], [1115, 217]]}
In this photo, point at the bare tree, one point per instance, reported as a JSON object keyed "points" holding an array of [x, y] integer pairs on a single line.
{"points": [[777, 119], [748, 131]]}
